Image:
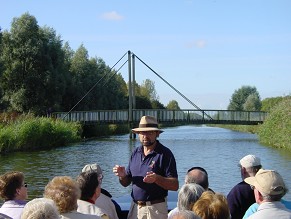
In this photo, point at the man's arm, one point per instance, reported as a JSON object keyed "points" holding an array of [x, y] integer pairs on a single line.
{"points": [[167, 183], [125, 181], [121, 173]]}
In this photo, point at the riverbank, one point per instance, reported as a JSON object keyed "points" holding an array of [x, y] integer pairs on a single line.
{"points": [[26, 132], [276, 129]]}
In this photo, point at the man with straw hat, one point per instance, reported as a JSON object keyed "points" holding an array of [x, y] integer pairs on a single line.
{"points": [[151, 171]]}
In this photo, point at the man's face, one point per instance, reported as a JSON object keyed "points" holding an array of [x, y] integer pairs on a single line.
{"points": [[148, 138]]}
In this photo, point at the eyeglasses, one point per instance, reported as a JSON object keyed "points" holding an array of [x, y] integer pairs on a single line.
{"points": [[146, 133], [24, 185]]}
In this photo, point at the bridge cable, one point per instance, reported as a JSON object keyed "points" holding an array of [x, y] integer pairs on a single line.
{"points": [[93, 87], [189, 101], [114, 73]]}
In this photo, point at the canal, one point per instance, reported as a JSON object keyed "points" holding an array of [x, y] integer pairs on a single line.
{"points": [[215, 149]]}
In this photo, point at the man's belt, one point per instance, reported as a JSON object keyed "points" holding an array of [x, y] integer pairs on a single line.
{"points": [[144, 203]]}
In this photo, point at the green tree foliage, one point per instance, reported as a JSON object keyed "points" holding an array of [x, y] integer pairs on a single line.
{"points": [[173, 105], [269, 103], [148, 90], [276, 129], [32, 58], [143, 103], [252, 103], [157, 104], [240, 99]]}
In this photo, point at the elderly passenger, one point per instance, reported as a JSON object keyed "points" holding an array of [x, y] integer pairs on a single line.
{"points": [[269, 188], [187, 196], [185, 214], [65, 192], [13, 190], [90, 185], [212, 206], [40, 208]]}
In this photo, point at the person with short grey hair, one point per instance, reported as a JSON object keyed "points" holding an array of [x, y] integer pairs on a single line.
{"points": [[40, 208], [185, 214], [187, 196]]}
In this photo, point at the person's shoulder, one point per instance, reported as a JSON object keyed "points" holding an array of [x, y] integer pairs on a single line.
{"points": [[105, 192], [4, 216], [163, 148], [286, 203]]}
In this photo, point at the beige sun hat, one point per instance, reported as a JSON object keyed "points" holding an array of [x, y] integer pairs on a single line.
{"points": [[92, 167], [268, 182], [146, 124]]}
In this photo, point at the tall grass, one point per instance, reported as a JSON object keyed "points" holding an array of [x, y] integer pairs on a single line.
{"points": [[30, 133], [276, 129]]}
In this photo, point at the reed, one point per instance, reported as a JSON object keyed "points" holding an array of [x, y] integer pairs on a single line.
{"points": [[32, 133]]}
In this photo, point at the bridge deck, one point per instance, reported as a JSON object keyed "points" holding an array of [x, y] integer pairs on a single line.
{"points": [[167, 116]]}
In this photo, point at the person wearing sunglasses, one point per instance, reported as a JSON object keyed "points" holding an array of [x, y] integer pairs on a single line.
{"points": [[13, 190]]}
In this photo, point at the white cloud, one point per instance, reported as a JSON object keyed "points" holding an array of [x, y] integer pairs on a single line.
{"points": [[196, 43], [113, 15]]}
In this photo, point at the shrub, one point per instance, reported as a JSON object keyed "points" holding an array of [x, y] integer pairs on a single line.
{"points": [[30, 132], [276, 129]]}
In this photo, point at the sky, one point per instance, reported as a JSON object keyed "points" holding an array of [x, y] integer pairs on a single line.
{"points": [[206, 49]]}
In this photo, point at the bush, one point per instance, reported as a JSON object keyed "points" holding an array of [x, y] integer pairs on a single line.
{"points": [[30, 132], [276, 129]]}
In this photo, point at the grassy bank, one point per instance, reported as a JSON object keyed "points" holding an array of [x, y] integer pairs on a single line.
{"points": [[26, 132], [276, 129], [31, 133]]}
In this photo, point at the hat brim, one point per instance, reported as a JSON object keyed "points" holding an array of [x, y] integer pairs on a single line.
{"points": [[250, 180], [146, 129]]}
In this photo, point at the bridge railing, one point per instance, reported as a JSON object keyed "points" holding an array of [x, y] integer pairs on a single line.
{"points": [[164, 115]]}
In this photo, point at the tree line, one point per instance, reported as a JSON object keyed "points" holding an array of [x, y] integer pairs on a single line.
{"points": [[40, 73]]}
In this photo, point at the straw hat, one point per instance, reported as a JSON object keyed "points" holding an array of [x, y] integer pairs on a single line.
{"points": [[146, 124]]}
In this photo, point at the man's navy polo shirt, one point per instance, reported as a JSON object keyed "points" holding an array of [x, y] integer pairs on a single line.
{"points": [[161, 161]]}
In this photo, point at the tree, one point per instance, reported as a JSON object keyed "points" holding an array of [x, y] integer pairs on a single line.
{"points": [[173, 105], [240, 96], [33, 64], [148, 90], [253, 103], [157, 104]]}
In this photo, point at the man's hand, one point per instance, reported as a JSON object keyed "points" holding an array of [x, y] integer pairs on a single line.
{"points": [[150, 177], [119, 171]]}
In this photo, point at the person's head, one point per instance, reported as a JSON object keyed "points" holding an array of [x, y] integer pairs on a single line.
{"points": [[212, 206], [90, 184], [12, 186], [40, 208], [268, 185], [249, 165], [197, 175], [185, 214], [188, 195], [148, 130], [64, 191], [93, 167]]}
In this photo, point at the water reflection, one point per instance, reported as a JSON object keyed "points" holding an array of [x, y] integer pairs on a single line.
{"points": [[217, 150]]}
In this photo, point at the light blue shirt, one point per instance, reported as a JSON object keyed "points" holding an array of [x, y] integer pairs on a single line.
{"points": [[254, 207]]}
